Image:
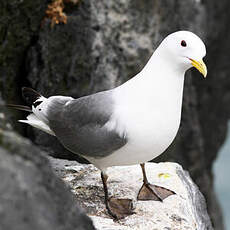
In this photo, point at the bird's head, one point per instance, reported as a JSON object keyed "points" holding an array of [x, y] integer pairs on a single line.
{"points": [[186, 50]]}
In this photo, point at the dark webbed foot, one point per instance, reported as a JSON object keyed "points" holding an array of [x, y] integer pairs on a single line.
{"points": [[153, 192], [119, 208]]}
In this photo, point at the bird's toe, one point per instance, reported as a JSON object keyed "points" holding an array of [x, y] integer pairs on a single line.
{"points": [[153, 192], [120, 208]]}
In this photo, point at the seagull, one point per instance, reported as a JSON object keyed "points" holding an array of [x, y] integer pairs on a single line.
{"points": [[130, 124]]}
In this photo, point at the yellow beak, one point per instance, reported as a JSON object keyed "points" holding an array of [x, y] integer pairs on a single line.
{"points": [[200, 65]]}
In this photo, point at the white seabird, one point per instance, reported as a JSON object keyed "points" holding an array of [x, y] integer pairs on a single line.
{"points": [[130, 124]]}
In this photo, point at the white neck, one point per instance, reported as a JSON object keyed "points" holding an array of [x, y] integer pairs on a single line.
{"points": [[165, 86]]}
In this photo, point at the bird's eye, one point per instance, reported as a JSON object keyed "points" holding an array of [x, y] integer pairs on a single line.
{"points": [[183, 43]]}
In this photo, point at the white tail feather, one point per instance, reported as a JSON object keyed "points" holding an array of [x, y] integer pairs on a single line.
{"points": [[34, 121]]}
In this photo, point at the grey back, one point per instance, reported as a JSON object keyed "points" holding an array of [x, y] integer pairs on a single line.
{"points": [[79, 124]]}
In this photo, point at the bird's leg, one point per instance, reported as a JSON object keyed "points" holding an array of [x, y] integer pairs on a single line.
{"points": [[152, 192], [117, 208]]}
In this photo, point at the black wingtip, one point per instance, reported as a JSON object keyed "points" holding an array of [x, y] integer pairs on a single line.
{"points": [[19, 107], [30, 95]]}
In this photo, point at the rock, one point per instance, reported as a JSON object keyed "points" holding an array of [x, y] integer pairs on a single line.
{"points": [[31, 195], [4, 120], [20, 23], [185, 210], [214, 98]]}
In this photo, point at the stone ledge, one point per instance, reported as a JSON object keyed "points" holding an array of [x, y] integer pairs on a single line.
{"points": [[185, 210]]}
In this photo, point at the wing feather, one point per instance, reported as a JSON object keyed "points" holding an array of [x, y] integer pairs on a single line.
{"points": [[80, 125]]}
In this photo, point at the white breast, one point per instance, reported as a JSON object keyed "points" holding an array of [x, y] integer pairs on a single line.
{"points": [[149, 114]]}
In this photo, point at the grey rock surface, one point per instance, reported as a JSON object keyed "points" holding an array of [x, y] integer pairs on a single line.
{"points": [[31, 195], [106, 42], [20, 22], [185, 211]]}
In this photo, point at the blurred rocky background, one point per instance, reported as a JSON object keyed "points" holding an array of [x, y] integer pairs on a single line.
{"points": [[31, 195], [104, 43]]}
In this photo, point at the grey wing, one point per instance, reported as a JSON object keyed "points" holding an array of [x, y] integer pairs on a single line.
{"points": [[80, 125]]}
